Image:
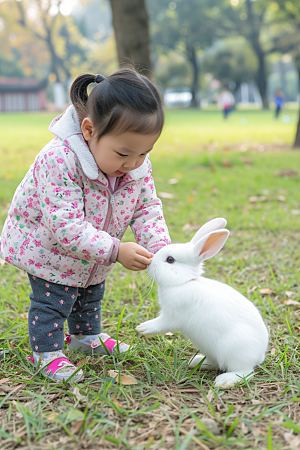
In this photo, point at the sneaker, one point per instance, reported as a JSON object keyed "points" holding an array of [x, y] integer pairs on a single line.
{"points": [[56, 366], [103, 345]]}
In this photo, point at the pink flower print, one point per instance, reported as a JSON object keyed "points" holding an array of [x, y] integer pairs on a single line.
{"points": [[96, 316], [85, 304], [101, 285], [70, 272], [38, 265], [47, 201], [33, 277], [132, 200], [61, 302], [47, 285], [79, 295], [60, 160], [56, 325], [49, 334], [73, 296], [77, 326], [36, 347], [47, 293], [55, 345], [87, 324], [89, 291], [33, 322], [66, 289], [74, 309], [95, 309], [33, 338], [30, 261], [36, 317]]}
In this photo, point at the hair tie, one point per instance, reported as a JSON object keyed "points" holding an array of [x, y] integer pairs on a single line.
{"points": [[99, 78]]}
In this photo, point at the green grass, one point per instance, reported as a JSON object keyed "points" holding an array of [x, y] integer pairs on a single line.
{"points": [[170, 405]]}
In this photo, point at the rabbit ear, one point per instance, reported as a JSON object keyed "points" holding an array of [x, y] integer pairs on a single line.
{"points": [[212, 225], [211, 244]]}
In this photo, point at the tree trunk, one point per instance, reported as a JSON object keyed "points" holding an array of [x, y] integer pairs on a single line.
{"points": [[297, 137], [130, 22], [255, 23], [261, 78], [192, 57]]}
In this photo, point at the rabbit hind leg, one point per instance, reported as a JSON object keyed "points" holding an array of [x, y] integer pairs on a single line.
{"points": [[230, 379], [207, 363]]}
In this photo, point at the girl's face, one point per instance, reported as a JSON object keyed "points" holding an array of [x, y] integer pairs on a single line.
{"points": [[117, 155]]}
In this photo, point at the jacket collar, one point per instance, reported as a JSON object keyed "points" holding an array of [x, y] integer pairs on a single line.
{"points": [[67, 127]]}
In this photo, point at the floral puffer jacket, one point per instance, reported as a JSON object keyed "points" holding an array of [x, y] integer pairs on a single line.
{"points": [[65, 225]]}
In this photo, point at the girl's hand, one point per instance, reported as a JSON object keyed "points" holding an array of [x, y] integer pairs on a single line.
{"points": [[133, 256]]}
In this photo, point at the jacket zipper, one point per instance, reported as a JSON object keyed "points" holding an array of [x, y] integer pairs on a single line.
{"points": [[105, 228]]}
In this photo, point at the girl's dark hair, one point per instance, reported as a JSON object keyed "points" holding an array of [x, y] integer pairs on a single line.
{"points": [[124, 101]]}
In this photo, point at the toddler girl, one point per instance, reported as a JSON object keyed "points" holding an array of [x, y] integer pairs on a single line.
{"points": [[69, 213]]}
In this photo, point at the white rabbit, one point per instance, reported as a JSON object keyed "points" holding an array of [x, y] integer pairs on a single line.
{"points": [[221, 322]]}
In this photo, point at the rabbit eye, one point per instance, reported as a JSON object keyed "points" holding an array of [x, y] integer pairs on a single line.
{"points": [[170, 259]]}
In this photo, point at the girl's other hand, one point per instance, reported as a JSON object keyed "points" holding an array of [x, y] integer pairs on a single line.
{"points": [[133, 256]]}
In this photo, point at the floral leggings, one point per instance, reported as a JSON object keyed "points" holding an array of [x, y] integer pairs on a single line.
{"points": [[52, 304]]}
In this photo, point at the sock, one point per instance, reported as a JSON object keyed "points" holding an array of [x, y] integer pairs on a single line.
{"points": [[38, 354], [85, 339]]}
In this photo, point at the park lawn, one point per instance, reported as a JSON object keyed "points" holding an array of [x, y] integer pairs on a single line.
{"points": [[169, 406]]}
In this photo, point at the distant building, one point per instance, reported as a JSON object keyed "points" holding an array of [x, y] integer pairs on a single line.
{"points": [[22, 94]]}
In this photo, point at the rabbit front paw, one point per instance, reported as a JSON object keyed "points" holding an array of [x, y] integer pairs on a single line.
{"points": [[149, 328]]}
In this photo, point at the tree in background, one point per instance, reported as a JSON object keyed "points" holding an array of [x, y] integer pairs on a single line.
{"points": [[130, 21], [231, 60], [45, 38], [187, 27], [250, 19], [286, 38]]}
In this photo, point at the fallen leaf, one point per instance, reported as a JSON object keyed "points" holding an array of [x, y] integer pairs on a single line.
{"points": [[287, 173], [226, 163], [281, 198], [117, 402], [273, 351], [76, 425], [252, 289], [291, 302], [297, 328], [4, 380], [244, 428], [82, 361], [190, 226], [256, 431], [255, 402], [165, 195], [266, 291], [124, 379], [246, 160], [210, 395], [78, 395], [173, 181], [52, 416], [289, 293], [255, 199]]}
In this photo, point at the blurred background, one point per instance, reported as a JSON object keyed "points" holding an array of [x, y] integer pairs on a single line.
{"points": [[197, 47]]}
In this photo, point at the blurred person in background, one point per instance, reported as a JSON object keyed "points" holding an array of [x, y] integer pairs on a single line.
{"points": [[226, 102], [278, 99]]}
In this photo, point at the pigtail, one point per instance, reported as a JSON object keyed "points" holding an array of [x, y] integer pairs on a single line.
{"points": [[79, 94]]}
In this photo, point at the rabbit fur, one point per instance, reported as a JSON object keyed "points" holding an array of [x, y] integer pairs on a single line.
{"points": [[221, 322]]}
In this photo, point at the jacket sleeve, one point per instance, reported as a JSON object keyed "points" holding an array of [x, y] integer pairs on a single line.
{"points": [[148, 223], [62, 207]]}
